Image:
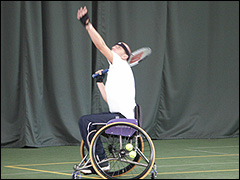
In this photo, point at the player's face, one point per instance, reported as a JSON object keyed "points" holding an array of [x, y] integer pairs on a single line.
{"points": [[119, 50], [122, 49]]}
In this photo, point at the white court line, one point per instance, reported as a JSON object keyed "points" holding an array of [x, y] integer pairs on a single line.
{"points": [[202, 164], [205, 151], [214, 147]]}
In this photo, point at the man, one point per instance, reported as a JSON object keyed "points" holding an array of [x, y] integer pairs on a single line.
{"points": [[118, 92]]}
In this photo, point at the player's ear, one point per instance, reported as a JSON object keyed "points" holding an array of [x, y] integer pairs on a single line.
{"points": [[124, 57]]}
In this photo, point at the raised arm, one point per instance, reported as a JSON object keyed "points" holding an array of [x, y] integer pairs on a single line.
{"points": [[94, 35]]}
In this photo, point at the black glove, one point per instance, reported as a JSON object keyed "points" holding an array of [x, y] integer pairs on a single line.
{"points": [[84, 19], [100, 78]]}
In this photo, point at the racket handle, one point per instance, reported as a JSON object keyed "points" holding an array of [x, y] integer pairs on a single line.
{"points": [[103, 72]]}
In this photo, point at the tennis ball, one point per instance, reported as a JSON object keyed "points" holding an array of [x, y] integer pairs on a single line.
{"points": [[132, 154], [129, 147]]}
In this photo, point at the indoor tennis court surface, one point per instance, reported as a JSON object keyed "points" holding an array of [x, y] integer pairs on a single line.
{"points": [[175, 159]]}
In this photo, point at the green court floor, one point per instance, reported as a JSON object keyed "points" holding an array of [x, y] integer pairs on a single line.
{"points": [[175, 159]]}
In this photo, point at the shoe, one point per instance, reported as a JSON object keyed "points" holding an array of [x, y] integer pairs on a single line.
{"points": [[105, 166]]}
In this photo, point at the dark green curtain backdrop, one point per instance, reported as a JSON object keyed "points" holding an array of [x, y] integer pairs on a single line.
{"points": [[188, 87]]}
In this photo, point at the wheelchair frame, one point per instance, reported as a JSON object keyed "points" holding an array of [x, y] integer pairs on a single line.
{"points": [[129, 131]]}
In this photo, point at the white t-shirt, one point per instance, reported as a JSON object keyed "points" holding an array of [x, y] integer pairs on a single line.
{"points": [[120, 87]]}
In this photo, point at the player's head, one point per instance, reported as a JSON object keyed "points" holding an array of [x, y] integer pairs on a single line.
{"points": [[122, 49]]}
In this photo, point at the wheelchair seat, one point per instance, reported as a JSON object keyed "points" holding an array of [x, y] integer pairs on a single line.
{"points": [[126, 131], [122, 130]]}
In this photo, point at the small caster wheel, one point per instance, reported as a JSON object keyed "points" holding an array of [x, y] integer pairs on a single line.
{"points": [[154, 171], [76, 175], [153, 174]]}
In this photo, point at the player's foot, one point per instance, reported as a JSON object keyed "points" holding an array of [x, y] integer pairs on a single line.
{"points": [[105, 166]]}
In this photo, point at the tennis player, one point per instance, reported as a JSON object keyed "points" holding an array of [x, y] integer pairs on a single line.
{"points": [[118, 91]]}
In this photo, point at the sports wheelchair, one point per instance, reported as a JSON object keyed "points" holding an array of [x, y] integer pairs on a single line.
{"points": [[129, 150]]}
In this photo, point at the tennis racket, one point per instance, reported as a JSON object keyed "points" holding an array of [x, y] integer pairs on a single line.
{"points": [[135, 58]]}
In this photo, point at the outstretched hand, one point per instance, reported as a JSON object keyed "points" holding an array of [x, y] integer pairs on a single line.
{"points": [[81, 13]]}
